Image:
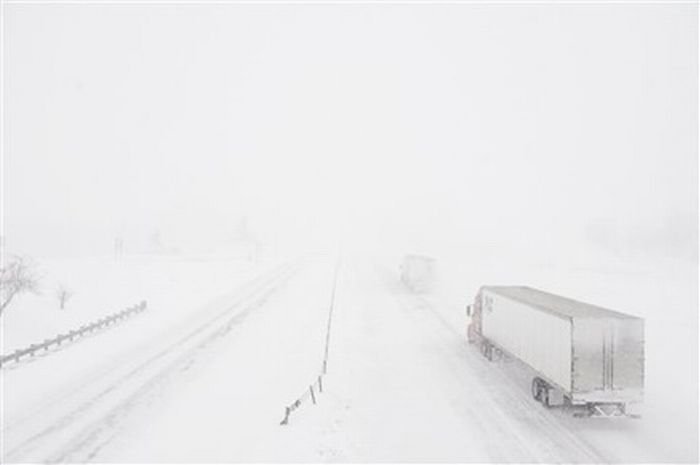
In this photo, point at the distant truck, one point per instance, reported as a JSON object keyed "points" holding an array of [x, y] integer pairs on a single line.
{"points": [[584, 357], [418, 272]]}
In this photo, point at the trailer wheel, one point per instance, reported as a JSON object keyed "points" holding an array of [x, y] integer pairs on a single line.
{"points": [[540, 391], [487, 350], [544, 397]]}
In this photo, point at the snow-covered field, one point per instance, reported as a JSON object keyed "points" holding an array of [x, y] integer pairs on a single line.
{"points": [[204, 375]]}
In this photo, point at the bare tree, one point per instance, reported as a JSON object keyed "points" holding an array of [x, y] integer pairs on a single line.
{"points": [[64, 294], [17, 277]]}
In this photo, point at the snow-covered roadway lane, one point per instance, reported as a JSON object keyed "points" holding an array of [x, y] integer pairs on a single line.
{"points": [[77, 426], [404, 386], [228, 407]]}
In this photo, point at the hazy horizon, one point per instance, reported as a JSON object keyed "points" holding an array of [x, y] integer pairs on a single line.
{"points": [[541, 128]]}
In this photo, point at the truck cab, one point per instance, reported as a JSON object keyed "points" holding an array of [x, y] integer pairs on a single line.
{"points": [[474, 324]]}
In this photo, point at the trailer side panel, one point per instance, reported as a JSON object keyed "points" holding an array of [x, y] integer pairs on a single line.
{"points": [[590, 343], [538, 338]]}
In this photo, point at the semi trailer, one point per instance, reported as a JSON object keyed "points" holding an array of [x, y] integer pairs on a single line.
{"points": [[581, 356]]}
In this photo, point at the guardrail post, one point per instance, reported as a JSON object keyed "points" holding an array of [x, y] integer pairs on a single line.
{"points": [[285, 420], [313, 396], [320, 384]]}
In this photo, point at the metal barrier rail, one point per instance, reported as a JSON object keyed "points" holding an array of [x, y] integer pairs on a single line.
{"points": [[72, 335], [312, 393]]}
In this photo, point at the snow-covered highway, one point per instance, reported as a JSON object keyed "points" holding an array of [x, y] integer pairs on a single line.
{"points": [[74, 426], [410, 389], [403, 385]]}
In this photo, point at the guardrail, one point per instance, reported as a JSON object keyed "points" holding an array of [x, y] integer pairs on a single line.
{"points": [[72, 335], [316, 388]]}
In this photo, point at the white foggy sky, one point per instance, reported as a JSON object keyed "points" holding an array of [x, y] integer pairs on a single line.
{"points": [[409, 125]]}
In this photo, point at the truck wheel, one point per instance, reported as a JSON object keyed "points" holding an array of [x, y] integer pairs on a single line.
{"points": [[498, 354], [536, 389]]}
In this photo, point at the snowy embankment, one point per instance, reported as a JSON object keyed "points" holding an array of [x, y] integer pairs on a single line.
{"points": [[102, 286]]}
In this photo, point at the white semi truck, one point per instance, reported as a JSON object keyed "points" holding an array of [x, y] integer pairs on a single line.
{"points": [[418, 272], [585, 357]]}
